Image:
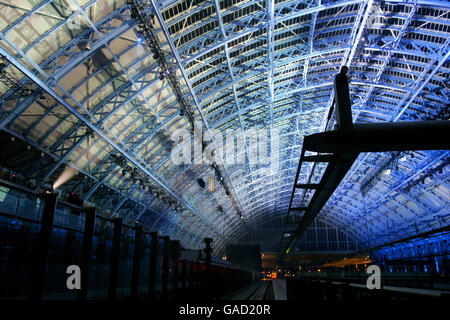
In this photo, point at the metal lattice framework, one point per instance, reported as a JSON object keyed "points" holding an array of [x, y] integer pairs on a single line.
{"points": [[97, 93]]}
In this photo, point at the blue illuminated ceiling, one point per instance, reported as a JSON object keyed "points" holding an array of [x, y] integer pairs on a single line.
{"points": [[429, 248], [97, 96]]}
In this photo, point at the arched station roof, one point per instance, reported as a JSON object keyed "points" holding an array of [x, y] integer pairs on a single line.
{"points": [[94, 99]]}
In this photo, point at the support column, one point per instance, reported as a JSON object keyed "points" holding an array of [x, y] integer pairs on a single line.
{"points": [[191, 275], [175, 252], [41, 252], [183, 275], [86, 249], [165, 268], [115, 255], [137, 257], [196, 275], [208, 250], [153, 260], [68, 256], [342, 102]]}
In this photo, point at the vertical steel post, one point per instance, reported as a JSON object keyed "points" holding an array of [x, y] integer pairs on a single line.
{"points": [[165, 268], [183, 275], [190, 275], [152, 268], [86, 249], [115, 255], [68, 256], [175, 252], [342, 101], [137, 257], [41, 252], [208, 250]]}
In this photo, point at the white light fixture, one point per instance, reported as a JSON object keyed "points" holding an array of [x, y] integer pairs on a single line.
{"points": [[211, 183]]}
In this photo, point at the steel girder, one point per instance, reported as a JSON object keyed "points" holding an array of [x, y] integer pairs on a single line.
{"points": [[55, 95], [379, 207], [71, 52], [120, 193], [194, 96], [61, 162], [435, 60]]}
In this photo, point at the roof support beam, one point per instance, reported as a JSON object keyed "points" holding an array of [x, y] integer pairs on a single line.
{"points": [[355, 37], [37, 80], [387, 59], [118, 191], [270, 59], [233, 84], [347, 142], [74, 60], [417, 91], [130, 79], [383, 137], [312, 28], [277, 20], [191, 90]]}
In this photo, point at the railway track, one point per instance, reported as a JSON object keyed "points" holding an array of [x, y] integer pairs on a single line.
{"points": [[262, 292], [256, 291]]}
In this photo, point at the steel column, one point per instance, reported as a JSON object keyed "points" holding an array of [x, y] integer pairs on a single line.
{"points": [[175, 252], [154, 249], [86, 249], [115, 255], [165, 269], [208, 251], [137, 257], [41, 253]]}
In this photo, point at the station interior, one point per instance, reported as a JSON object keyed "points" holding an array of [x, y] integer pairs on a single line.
{"points": [[224, 150]]}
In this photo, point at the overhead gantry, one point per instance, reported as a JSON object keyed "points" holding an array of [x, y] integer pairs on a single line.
{"points": [[339, 149]]}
